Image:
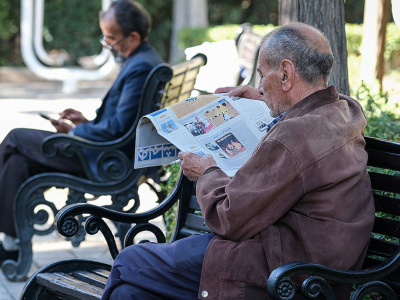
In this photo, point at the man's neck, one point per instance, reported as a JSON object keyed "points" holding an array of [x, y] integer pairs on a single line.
{"points": [[303, 91]]}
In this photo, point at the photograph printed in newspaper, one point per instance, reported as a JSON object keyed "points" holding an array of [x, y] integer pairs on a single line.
{"points": [[228, 128]]}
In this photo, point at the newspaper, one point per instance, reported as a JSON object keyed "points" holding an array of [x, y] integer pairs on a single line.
{"points": [[228, 128]]}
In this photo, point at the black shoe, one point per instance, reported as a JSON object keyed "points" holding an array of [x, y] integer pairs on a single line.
{"points": [[4, 254]]}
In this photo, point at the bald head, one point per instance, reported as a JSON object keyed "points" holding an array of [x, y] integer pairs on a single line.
{"points": [[305, 46]]}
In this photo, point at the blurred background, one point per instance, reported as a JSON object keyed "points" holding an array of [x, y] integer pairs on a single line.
{"points": [[69, 33]]}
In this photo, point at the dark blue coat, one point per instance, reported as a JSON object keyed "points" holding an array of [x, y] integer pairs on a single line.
{"points": [[120, 106]]}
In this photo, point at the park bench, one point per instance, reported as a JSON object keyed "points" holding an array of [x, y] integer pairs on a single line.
{"points": [[248, 46], [82, 279], [164, 86]]}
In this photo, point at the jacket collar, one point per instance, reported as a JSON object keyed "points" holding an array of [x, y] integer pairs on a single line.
{"points": [[312, 102], [144, 46]]}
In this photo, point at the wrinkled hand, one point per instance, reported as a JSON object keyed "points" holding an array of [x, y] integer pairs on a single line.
{"points": [[61, 126], [74, 116], [223, 90], [194, 165]]}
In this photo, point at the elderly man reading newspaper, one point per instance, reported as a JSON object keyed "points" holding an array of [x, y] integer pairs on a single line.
{"points": [[306, 177]]}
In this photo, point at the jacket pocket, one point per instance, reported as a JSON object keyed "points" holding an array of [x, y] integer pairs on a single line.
{"points": [[246, 262]]}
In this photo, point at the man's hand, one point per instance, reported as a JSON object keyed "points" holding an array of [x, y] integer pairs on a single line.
{"points": [[74, 116], [194, 165], [246, 91], [61, 126], [223, 90]]}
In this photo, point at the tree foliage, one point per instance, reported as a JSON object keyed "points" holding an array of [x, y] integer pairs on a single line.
{"points": [[72, 25], [9, 31], [81, 37]]}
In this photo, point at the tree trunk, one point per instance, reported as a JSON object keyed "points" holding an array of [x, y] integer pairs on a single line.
{"points": [[186, 13], [287, 12], [328, 16], [396, 12], [376, 17]]}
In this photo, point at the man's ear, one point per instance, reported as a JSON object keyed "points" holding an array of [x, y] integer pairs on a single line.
{"points": [[134, 41], [135, 36], [287, 73]]}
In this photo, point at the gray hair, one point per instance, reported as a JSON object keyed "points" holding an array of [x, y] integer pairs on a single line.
{"points": [[131, 16], [288, 42]]}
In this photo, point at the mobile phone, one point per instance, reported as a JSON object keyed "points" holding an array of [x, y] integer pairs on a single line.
{"points": [[44, 116]]}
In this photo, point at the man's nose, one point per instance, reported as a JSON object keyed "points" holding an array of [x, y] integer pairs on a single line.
{"points": [[260, 89]]}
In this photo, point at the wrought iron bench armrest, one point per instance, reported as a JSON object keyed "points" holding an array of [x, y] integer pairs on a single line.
{"points": [[67, 225], [280, 286], [118, 166]]}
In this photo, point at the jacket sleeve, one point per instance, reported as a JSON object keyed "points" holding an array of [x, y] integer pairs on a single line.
{"points": [[127, 104], [259, 194]]}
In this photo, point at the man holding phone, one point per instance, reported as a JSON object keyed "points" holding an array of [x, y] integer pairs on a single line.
{"points": [[125, 27]]}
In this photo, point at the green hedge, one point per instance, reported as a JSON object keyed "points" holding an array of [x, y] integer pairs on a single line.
{"points": [[80, 37], [73, 26]]}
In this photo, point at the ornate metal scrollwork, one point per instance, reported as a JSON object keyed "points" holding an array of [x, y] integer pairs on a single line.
{"points": [[69, 227], [374, 286], [286, 289], [94, 224], [164, 74], [41, 216], [79, 235], [113, 165], [314, 286], [69, 150], [50, 149], [134, 231], [121, 200]]}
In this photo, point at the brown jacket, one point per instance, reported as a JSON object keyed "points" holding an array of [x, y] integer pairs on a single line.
{"points": [[304, 195]]}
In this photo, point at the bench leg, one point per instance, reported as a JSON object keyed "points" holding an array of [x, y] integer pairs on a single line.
{"points": [[25, 218]]}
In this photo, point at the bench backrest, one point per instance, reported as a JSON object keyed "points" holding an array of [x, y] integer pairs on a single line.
{"points": [[248, 46], [189, 219], [166, 85], [384, 171]]}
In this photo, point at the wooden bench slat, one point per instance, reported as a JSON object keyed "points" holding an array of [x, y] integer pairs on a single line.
{"points": [[76, 280], [101, 272], [90, 278], [381, 247], [370, 262], [385, 160], [387, 227], [383, 182], [64, 285], [193, 203], [196, 222], [188, 232], [387, 205]]}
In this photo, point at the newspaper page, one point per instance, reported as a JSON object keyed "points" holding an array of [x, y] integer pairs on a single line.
{"points": [[228, 128]]}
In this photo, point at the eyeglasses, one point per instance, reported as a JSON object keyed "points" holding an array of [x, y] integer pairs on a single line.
{"points": [[108, 46]]}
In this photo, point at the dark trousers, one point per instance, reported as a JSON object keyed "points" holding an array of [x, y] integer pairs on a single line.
{"points": [[153, 271], [21, 158]]}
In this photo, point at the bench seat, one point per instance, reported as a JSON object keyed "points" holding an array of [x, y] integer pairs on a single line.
{"points": [[380, 272]]}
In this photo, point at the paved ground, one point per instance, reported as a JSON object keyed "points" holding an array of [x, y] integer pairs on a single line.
{"points": [[19, 105]]}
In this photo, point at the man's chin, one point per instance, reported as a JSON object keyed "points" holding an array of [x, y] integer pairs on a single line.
{"points": [[273, 114]]}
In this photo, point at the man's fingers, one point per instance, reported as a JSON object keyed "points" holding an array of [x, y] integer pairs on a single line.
{"points": [[225, 89], [239, 91]]}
